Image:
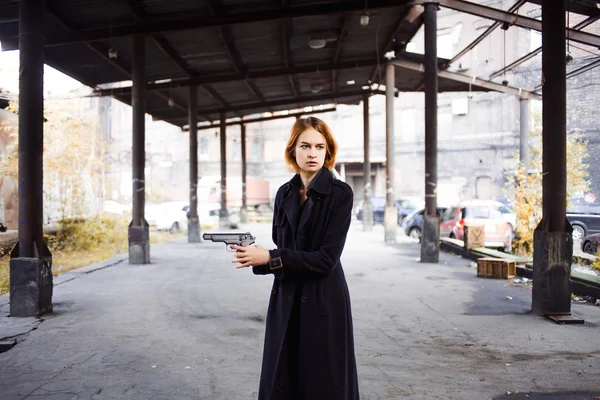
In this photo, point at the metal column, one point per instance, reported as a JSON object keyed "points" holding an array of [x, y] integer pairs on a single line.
{"points": [[193, 221], [430, 251], [553, 241], [244, 210], [367, 206], [139, 236], [223, 140], [391, 212], [31, 261], [524, 131]]}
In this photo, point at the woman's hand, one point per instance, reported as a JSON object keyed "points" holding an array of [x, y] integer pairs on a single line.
{"points": [[250, 256]]}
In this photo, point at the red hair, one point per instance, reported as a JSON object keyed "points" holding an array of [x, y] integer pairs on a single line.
{"points": [[301, 125]]}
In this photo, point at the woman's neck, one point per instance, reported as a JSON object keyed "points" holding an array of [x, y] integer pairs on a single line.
{"points": [[307, 178]]}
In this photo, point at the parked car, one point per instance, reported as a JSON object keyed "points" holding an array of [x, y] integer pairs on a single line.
{"points": [[584, 224], [413, 223], [498, 232], [209, 215], [589, 244], [404, 206], [169, 216]]}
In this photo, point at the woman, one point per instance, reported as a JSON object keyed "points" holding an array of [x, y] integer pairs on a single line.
{"points": [[309, 345]]}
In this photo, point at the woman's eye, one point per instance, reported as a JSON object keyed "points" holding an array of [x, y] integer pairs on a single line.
{"points": [[304, 146]]}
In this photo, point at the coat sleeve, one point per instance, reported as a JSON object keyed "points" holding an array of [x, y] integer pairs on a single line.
{"points": [[264, 269], [318, 264]]}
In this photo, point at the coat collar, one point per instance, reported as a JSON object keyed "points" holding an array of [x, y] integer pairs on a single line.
{"points": [[321, 183]]}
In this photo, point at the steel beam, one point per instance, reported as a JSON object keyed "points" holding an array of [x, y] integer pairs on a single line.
{"points": [[516, 20], [223, 145], [515, 7], [264, 119], [391, 212], [430, 250], [342, 32], [31, 128], [537, 51], [232, 77], [367, 205], [30, 260], [553, 240], [411, 16], [193, 221], [275, 103], [524, 132], [471, 80], [156, 25], [244, 209], [139, 239]]}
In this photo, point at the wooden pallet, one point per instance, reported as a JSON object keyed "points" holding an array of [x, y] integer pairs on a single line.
{"points": [[496, 268]]}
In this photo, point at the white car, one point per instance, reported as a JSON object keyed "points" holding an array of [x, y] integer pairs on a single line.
{"points": [[169, 216]]}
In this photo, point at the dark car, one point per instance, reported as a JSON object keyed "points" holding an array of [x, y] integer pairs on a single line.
{"points": [[584, 223], [404, 207], [413, 223], [589, 244]]}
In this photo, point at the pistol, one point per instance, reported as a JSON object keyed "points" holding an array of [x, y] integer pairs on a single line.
{"points": [[229, 238]]}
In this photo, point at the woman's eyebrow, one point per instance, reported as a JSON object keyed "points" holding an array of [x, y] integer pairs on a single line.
{"points": [[317, 144]]}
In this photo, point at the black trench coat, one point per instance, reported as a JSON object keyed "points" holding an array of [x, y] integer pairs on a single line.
{"points": [[308, 272]]}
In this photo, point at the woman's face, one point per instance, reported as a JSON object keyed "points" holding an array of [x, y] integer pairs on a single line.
{"points": [[311, 150]]}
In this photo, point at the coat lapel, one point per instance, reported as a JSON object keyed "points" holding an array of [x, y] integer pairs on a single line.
{"points": [[290, 206]]}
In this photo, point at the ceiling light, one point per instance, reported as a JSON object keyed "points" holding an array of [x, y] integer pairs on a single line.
{"points": [[316, 88], [364, 20], [390, 54], [366, 87], [113, 53], [171, 102], [317, 43], [350, 82]]}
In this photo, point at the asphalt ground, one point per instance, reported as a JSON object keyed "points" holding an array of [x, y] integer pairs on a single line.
{"points": [[191, 326]]}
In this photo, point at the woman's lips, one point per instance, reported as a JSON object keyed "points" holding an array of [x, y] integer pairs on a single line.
{"points": [[311, 163]]}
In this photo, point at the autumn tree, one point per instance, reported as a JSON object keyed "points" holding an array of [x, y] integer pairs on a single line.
{"points": [[526, 184]]}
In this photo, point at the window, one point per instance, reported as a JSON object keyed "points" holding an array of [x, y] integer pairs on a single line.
{"points": [[236, 151], [255, 150], [203, 145]]}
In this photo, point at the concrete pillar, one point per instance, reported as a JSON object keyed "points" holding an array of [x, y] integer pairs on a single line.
{"points": [[31, 261], [523, 131], [193, 220], [244, 210], [223, 141], [367, 206], [390, 218], [139, 233], [343, 172], [430, 249], [553, 241]]}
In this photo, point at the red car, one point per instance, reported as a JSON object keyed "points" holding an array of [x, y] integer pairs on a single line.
{"points": [[498, 232]]}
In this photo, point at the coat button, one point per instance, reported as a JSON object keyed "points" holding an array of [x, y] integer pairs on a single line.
{"points": [[303, 299]]}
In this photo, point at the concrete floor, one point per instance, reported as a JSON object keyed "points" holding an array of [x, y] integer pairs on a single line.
{"points": [[191, 326]]}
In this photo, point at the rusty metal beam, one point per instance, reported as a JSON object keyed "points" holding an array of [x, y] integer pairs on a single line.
{"points": [[492, 86], [537, 51], [285, 46], [263, 119], [411, 15], [266, 73], [487, 32], [275, 103], [165, 24], [343, 31], [102, 51], [516, 20]]}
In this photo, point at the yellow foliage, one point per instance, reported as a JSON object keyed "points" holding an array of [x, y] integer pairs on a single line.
{"points": [[526, 185], [79, 243]]}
